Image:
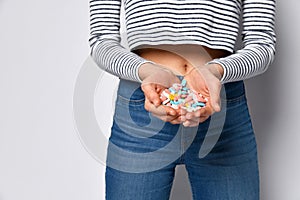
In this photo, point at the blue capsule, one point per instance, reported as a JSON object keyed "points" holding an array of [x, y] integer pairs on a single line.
{"points": [[183, 82]]}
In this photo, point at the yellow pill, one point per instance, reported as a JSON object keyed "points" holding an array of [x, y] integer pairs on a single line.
{"points": [[171, 96]]}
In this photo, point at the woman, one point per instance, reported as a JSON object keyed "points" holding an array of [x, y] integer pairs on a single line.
{"points": [[170, 40]]}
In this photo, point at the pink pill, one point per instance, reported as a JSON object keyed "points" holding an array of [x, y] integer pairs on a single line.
{"points": [[188, 98]]}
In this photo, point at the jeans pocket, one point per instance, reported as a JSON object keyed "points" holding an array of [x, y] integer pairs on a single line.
{"points": [[133, 100], [235, 100], [130, 109], [234, 93], [130, 93]]}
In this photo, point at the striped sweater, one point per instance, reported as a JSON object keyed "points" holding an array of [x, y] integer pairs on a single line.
{"points": [[211, 23]]}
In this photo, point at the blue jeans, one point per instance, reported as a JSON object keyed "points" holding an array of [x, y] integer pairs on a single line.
{"points": [[220, 155]]}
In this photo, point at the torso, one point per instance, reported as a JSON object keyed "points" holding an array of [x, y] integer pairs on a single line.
{"points": [[179, 58]]}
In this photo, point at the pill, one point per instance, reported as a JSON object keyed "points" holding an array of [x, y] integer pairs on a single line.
{"points": [[174, 106], [172, 90], [166, 101], [165, 93], [180, 96], [200, 104]]}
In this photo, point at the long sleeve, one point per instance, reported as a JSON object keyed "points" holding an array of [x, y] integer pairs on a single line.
{"points": [[105, 38], [258, 42]]}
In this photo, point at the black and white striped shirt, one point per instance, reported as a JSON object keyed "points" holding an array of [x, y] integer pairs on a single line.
{"points": [[211, 23]]}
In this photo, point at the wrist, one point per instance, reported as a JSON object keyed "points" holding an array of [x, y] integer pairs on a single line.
{"points": [[150, 68], [216, 69], [145, 70]]}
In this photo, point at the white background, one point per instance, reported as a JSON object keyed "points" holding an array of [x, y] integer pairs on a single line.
{"points": [[43, 45]]}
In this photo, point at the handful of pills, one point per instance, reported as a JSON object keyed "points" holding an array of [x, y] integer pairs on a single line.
{"points": [[180, 96]]}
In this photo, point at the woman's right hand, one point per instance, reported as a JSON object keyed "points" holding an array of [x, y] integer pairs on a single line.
{"points": [[155, 79]]}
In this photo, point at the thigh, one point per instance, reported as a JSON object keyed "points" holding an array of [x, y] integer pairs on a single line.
{"points": [[142, 150], [152, 185], [140, 142], [217, 182], [230, 170]]}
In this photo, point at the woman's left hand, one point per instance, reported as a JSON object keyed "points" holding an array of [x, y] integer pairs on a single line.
{"points": [[205, 80]]}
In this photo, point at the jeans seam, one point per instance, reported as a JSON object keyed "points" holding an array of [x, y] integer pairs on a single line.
{"points": [[182, 142], [131, 100], [192, 188], [236, 99]]}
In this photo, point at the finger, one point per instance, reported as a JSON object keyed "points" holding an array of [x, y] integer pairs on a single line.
{"points": [[182, 112], [160, 110], [214, 90], [203, 119], [171, 119], [189, 123], [176, 121], [194, 118], [192, 122], [186, 123], [151, 94], [194, 114], [169, 110], [206, 111], [166, 118], [183, 118]]}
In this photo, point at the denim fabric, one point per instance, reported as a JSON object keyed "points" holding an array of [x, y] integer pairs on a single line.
{"points": [[219, 155]]}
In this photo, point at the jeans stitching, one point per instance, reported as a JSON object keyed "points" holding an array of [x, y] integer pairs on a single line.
{"points": [[131, 100], [236, 99]]}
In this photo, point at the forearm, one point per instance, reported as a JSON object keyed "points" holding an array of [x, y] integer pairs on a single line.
{"points": [[115, 59], [245, 63], [105, 47]]}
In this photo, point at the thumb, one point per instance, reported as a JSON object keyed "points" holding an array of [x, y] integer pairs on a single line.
{"points": [[214, 91], [151, 94]]}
